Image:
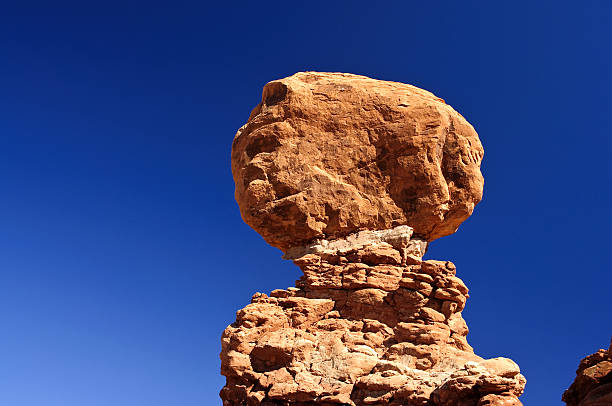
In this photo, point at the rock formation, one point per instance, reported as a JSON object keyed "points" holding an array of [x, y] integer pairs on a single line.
{"points": [[351, 177], [328, 154], [593, 383]]}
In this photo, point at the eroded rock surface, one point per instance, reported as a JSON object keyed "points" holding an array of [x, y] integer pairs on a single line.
{"points": [[367, 324], [352, 177], [593, 383], [327, 154]]}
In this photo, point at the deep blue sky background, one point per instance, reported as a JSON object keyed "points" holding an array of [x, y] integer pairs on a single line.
{"points": [[122, 251]]}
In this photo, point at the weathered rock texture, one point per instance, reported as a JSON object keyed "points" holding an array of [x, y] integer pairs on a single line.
{"points": [[593, 383], [351, 177], [369, 323], [327, 154]]}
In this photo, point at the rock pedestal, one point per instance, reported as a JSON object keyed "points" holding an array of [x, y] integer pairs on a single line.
{"points": [[369, 323]]}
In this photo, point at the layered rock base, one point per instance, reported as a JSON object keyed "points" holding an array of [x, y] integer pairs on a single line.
{"points": [[593, 383], [369, 323]]}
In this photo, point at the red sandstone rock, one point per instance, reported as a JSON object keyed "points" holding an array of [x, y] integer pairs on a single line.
{"points": [[362, 334], [351, 177], [593, 383], [327, 154]]}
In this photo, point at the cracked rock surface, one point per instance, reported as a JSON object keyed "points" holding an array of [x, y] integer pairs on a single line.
{"points": [[326, 154]]}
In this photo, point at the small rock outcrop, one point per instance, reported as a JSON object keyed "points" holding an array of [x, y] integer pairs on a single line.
{"points": [[351, 178], [593, 383]]}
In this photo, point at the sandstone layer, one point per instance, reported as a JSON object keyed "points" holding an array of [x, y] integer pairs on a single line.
{"points": [[593, 383], [369, 323], [324, 155]]}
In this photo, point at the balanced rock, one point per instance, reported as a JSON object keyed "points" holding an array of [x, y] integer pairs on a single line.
{"points": [[324, 155], [351, 177], [593, 383]]}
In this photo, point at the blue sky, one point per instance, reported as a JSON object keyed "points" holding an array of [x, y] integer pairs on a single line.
{"points": [[122, 251]]}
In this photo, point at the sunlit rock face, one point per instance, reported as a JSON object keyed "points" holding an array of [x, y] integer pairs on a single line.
{"points": [[324, 155], [351, 177]]}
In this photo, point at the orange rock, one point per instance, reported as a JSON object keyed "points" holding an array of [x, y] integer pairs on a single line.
{"points": [[327, 154], [499, 400], [352, 334], [351, 177]]}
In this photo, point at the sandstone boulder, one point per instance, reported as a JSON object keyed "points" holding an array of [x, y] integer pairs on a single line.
{"points": [[326, 154]]}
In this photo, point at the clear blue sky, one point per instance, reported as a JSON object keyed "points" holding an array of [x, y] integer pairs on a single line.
{"points": [[122, 251]]}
